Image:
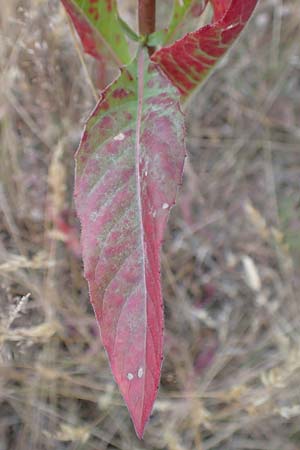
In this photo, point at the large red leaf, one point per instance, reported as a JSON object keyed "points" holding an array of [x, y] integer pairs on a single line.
{"points": [[189, 60], [129, 164]]}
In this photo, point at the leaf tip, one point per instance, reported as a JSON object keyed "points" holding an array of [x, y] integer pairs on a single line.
{"points": [[139, 415], [139, 429]]}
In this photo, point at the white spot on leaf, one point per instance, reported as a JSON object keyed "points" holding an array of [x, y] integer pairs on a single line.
{"points": [[140, 372], [165, 206], [130, 376], [119, 137], [94, 216]]}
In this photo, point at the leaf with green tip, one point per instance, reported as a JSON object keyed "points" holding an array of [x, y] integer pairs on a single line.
{"points": [[128, 167], [183, 11], [188, 61], [182, 21], [129, 31], [97, 24], [157, 38]]}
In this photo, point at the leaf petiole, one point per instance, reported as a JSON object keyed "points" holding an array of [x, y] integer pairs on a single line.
{"points": [[129, 31]]}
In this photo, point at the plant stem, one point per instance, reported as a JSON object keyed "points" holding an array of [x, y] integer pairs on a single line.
{"points": [[147, 18]]}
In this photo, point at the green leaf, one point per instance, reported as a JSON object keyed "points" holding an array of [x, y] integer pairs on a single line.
{"points": [[157, 38], [97, 23], [183, 10], [128, 31]]}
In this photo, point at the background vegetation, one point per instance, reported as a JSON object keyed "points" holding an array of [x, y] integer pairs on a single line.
{"points": [[231, 257]]}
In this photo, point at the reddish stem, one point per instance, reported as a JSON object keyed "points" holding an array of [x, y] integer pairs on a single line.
{"points": [[147, 18]]}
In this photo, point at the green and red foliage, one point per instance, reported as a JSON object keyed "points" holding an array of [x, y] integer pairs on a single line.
{"points": [[97, 24], [128, 167], [189, 60], [129, 164]]}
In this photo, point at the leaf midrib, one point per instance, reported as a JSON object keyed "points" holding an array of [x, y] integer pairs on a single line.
{"points": [[140, 98]]}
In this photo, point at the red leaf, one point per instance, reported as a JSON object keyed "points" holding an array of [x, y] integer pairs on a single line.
{"points": [[189, 60], [129, 164]]}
